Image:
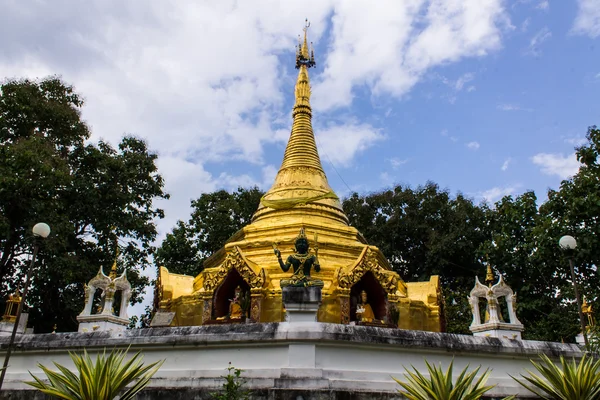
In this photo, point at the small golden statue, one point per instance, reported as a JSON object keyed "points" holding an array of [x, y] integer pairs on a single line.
{"points": [[364, 312], [302, 261], [235, 308], [586, 309]]}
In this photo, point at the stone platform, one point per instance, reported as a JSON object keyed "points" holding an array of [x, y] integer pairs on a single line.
{"points": [[307, 360]]}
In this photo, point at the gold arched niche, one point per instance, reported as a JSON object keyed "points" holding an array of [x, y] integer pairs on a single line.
{"points": [[210, 280], [370, 261]]}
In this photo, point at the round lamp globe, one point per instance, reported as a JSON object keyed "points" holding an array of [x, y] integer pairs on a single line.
{"points": [[41, 230], [567, 242]]}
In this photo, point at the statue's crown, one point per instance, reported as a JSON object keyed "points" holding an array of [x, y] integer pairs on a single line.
{"points": [[302, 234]]}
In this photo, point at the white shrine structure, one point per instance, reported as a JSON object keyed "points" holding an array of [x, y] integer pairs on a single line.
{"points": [[105, 319], [493, 324]]}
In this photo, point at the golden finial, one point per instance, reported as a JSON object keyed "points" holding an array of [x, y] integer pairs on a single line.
{"points": [[489, 276], [304, 57], [113, 270]]}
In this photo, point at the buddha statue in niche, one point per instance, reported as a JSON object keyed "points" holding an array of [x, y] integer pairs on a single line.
{"points": [[235, 308], [364, 311]]}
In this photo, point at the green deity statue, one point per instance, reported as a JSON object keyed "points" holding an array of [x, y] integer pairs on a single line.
{"points": [[302, 261]]}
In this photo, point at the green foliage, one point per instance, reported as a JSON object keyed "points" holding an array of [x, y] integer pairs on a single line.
{"points": [[215, 218], [103, 380], [456, 309], [232, 387], [594, 340], [439, 384], [142, 321], [571, 381], [49, 173]]}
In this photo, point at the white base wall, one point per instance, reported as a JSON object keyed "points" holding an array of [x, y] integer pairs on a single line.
{"points": [[304, 357]]}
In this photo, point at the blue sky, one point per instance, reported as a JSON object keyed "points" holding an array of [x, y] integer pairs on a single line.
{"points": [[485, 97], [488, 125]]}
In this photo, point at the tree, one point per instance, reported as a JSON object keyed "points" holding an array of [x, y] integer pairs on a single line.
{"points": [[215, 218], [575, 210], [88, 193]]}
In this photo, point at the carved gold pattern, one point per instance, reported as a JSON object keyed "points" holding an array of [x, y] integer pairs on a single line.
{"points": [[234, 259], [369, 263], [345, 309]]}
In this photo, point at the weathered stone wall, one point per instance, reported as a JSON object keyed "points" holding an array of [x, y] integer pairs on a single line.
{"points": [[284, 361]]}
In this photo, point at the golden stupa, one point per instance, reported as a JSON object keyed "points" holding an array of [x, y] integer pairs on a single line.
{"points": [[299, 198]]}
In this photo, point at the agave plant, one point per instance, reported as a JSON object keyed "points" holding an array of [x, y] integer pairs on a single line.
{"points": [[103, 380], [439, 385], [570, 381]]}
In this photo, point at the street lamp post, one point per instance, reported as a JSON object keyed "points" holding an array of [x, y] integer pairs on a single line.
{"points": [[40, 230], [568, 243]]}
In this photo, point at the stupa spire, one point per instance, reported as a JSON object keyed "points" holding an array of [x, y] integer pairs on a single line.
{"points": [[301, 179], [301, 148]]}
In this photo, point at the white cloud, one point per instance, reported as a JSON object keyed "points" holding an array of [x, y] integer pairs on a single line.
{"points": [[506, 164], [397, 162], [473, 145], [556, 164], [460, 82], [525, 24], [457, 85], [411, 37], [543, 5], [576, 141], [184, 181], [587, 21], [269, 172], [536, 41], [340, 143], [496, 193], [512, 107]]}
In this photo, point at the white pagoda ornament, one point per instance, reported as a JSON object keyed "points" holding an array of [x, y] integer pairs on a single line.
{"points": [[493, 324], [104, 319]]}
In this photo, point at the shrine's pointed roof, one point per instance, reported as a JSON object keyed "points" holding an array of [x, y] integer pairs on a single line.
{"points": [[301, 181]]}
